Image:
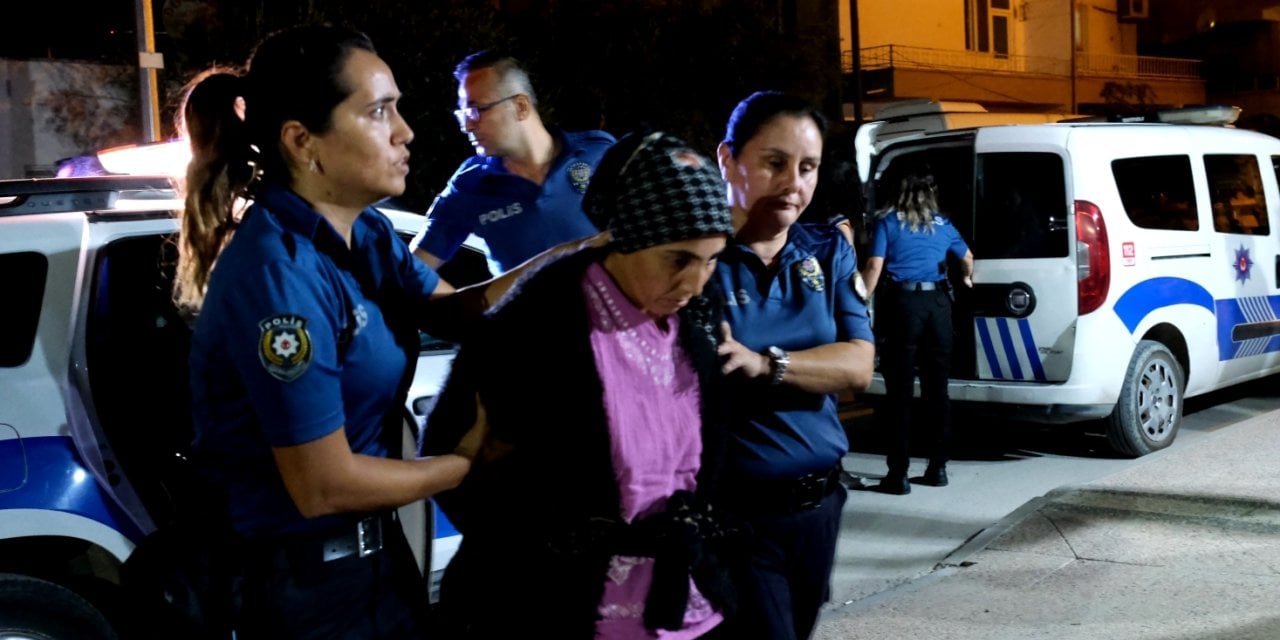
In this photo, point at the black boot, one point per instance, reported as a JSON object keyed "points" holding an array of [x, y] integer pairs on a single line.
{"points": [[895, 484], [935, 475]]}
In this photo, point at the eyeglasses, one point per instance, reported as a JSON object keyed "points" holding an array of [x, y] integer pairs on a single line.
{"points": [[472, 113]]}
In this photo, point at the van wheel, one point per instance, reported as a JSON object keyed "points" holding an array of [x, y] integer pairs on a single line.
{"points": [[34, 609], [1149, 411]]}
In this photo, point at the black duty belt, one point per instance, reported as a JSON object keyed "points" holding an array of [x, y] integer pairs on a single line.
{"points": [[939, 285], [788, 495], [366, 539], [361, 538]]}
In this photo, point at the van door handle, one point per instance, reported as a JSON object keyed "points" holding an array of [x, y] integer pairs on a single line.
{"points": [[1278, 271]]}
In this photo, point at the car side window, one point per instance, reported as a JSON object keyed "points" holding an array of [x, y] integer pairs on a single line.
{"points": [[23, 297], [1157, 192], [1021, 201], [1235, 189]]}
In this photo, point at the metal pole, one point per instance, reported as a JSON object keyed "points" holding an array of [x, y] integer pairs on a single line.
{"points": [[1071, 47], [148, 63], [855, 43]]}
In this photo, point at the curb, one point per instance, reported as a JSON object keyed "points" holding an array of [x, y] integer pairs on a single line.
{"points": [[949, 565]]}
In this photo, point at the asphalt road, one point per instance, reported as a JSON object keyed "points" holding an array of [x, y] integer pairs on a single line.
{"points": [[998, 466]]}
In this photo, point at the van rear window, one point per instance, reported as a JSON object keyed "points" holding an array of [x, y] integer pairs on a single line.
{"points": [[1235, 189], [1157, 192], [1020, 206]]}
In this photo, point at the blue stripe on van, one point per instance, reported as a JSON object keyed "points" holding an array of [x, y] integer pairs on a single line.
{"points": [[1149, 295], [444, 528], [984, 336], [1010, 352], [1253, 311], [46, 473], [1033, 354]]}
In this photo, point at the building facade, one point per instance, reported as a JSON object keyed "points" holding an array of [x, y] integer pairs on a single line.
{"points": [[1047, 56]]}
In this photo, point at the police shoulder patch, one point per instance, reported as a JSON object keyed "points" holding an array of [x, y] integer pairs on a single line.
{"points": [[284, 346]]}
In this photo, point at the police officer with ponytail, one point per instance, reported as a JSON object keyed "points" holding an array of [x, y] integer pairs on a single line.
{"points": [[913, 322]]}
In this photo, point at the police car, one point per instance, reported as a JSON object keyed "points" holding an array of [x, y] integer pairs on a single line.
{"points": [[94, 409], [1120, 267]]}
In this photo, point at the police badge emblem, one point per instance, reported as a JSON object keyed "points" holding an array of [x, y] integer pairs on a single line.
{"points": [[811, 273], [579, 175], [285, 346]]}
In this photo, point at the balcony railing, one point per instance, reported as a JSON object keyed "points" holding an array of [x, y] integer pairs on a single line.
{"points": [[892, 55], [1137, 66]]}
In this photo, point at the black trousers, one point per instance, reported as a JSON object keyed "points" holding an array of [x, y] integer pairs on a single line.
{"points": [[914, 329], [786, 577], [289, 592]]}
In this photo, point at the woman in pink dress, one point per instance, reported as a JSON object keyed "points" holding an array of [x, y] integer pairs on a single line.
{"points": [[590, 399]]}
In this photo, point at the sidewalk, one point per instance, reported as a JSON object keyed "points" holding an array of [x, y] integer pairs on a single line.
{"points": [[1184, 546]]}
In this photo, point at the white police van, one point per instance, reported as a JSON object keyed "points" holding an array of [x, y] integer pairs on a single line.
{"points": [[1120, 268], [94, 406]]}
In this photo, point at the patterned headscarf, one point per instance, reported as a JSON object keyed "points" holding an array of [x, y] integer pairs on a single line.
{"points": [[652, 188]]}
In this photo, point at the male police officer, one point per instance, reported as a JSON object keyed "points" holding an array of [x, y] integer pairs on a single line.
{"points": [[522, 191]]}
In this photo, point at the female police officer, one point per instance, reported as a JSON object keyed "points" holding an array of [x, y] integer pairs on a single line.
{"points": [[304, 340], [913, 321], [799, 336]]}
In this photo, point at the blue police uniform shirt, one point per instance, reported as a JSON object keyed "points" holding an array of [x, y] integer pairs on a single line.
{"points": [[810, 300], [516, 218], [914, 256], [289, 347]]}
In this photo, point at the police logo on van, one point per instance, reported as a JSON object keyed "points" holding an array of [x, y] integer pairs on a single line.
{"points": [[1242, 264], [285, 346]]}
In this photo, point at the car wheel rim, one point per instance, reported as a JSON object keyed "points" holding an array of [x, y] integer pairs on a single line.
{"points": [[1158, 401]]}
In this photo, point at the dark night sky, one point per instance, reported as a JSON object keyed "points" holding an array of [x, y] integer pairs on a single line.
{"points": [[97, 30]]}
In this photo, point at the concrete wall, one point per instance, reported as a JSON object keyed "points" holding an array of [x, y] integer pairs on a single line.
{"points": [[1102, 32], [989, 89], [935, 24], [53, 109], [1044, 28]]}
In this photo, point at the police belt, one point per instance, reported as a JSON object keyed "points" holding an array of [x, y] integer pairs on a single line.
{"points": [[788, 495], [937, 285], [360, 539]]}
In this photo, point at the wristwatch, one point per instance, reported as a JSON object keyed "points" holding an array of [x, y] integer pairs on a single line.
{"points": [[780, 360]]}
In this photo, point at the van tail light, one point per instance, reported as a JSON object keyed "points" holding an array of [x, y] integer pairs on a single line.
{"points": [[1093, 259]]}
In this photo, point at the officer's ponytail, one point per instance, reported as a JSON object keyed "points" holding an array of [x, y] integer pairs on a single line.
{"points": [[917, 201]]}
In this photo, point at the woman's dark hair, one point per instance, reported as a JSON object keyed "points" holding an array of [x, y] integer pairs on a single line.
{"points": [[296, 74], [917, 200], [233, 121], [758, 109]]}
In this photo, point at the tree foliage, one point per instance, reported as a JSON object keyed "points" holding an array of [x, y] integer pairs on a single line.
{"points": [[90, 104]]}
